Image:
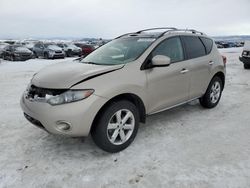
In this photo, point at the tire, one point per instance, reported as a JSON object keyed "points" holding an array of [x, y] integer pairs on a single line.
{"points": [[108, 126], [46, 55], [213, 93], [12, 58], [69, 53], [246, 66], [35, 55]]}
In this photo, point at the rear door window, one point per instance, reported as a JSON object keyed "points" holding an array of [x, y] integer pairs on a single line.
{"points": [[208, 44], [193, 46]]}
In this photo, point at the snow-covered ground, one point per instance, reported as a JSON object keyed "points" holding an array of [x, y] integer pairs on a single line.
{"points": [[186, 147]]}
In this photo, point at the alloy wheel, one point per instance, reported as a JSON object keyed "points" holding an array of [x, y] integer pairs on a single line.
{"points": [[121, 126], [215, 92]]}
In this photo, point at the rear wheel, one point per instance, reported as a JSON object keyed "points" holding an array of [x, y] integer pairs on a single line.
{"points": [[213, 93], [117, 126], [246, 66]]}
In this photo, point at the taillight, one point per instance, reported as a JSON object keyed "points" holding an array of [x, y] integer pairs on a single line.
{"points": [[224, 59]]}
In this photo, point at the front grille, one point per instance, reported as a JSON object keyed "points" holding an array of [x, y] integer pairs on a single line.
{"points": [[25, 55], [42, 92], [58, 52], [34, 121]]}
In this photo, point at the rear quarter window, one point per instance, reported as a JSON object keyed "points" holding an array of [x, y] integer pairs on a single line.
{"points": [[193, 46], [208, 43]]}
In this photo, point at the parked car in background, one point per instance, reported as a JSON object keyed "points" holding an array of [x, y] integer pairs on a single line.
{"points": [[10, 41], [48, 50], [70, 49], [219, 46], [113, 89], [17, 53], [232, 44], [86, 48], [239, 44], [2, 46], [245, 56], [30, 44], [26, 44]]}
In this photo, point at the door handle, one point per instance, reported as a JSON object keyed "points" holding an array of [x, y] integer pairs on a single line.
{"points": [[183, 71], [211, 63]]}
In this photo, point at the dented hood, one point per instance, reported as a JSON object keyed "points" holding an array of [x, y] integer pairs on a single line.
{"points": [[65, 75]]}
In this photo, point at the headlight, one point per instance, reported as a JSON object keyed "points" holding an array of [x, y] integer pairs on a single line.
{"points": [[70, 96], [51, 52]]}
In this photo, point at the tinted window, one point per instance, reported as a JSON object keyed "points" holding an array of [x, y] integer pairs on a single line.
{"points": [[172, 48], [208, 44], [194, 47]]}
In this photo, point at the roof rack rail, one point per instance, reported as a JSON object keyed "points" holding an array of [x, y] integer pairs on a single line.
{"points": [[168, 29], [191, 30], [124, 35], [184, 30], [157, 28]]}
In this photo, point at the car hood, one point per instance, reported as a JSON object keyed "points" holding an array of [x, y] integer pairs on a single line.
{"points": [[76, 48], [65, 75], [73, 48], [54, 47], [22, 50]]}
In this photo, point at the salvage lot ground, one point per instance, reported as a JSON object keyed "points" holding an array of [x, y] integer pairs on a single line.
{"points": [[184, 147]]}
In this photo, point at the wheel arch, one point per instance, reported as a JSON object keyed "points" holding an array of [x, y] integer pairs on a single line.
{"points": [[136, 100]]}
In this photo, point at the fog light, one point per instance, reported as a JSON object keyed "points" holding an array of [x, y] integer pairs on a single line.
{"points": [[63, 125]]}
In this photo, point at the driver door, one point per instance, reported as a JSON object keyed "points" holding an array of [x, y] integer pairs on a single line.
{"points": [[168, 86]]}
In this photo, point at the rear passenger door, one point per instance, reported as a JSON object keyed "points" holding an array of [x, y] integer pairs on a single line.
{"points": [[200, 67]]}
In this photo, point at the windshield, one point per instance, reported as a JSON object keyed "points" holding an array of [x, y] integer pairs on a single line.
{"points": [[49, 44], [60, 45], [119, 51], [72, 46]]}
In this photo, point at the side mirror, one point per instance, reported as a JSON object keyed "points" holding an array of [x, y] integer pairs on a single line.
{"points": [[160, 61]]}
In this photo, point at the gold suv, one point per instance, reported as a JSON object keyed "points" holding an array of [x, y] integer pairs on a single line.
{"points": [[113, 89]]}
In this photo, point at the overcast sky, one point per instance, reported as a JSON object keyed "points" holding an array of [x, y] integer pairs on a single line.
{"points": [[109, 18]]}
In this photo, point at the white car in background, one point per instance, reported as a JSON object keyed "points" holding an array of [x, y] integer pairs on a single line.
{"points": [[245, 56], [70, 49]]}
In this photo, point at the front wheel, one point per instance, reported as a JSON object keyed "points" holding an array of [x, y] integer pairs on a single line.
{"points": [[213, 93], [116, 127], [46, 55], [12, 58]]}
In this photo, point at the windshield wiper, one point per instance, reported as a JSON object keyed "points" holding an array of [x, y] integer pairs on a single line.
{"points": [[92, 63]]}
